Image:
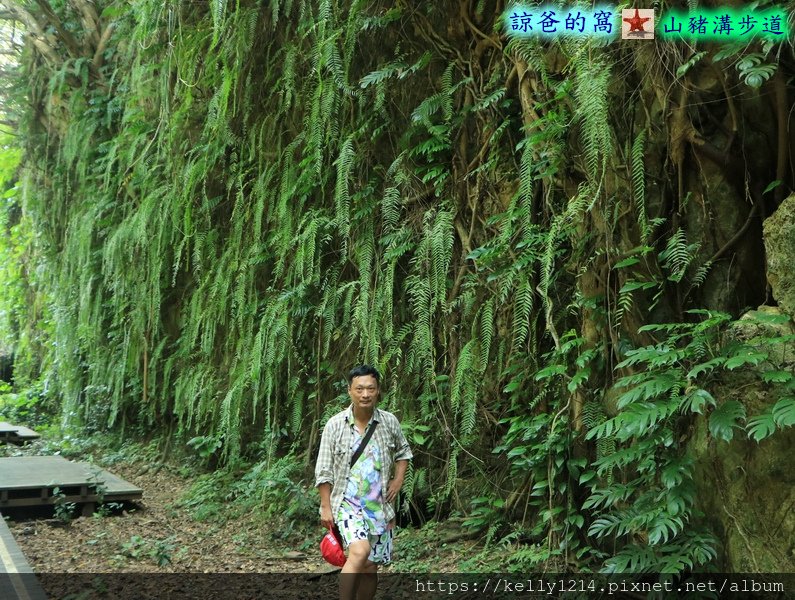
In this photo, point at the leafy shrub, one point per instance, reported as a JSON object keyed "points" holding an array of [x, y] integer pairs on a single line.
{"points": [[274, 488], [64, 510], [160, 552], [32, 407]]}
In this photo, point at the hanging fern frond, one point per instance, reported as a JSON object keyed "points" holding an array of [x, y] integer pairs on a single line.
{"points": [[342, 201], [639, 185], [590, 90], [678, 255]]}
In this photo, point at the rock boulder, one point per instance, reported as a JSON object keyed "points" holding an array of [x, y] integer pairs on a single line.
{"points": [[779, 236]]}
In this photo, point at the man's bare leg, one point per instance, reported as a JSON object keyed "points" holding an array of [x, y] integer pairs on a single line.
{"points": [[368, 581], [357, 563]]}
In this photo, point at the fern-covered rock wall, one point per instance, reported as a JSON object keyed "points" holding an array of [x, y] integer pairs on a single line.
{"points": [[234, 203]]}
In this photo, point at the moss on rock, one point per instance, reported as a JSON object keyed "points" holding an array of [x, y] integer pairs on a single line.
{"points": [[779, 237]]}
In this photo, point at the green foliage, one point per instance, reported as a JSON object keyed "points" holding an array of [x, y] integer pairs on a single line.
{"points": [[34, 406], [21, 280], [159, 552], [508, 555], [689, 63], [205, 446], [207, 242], [592, 79], [14, 238], [417, 551], [725, 418], [652, 510], [486, 512], [64, 510], [106, 509], [754, 71], [224, 241], [538, 445], [677, 256], [275, 490], [639, 186]]}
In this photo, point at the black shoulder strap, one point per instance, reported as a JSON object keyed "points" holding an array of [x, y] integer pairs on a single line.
{"points": [[363, 443]]}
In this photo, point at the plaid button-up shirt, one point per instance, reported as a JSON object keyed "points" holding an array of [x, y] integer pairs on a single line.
{"points": [[334, 457]]}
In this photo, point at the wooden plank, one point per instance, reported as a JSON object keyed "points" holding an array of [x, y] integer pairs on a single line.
{"points": [[116, 486], [31, 480], [26, 472], [7, 431], [17, 581], [16, 434], [23, 433], [11, 558]]}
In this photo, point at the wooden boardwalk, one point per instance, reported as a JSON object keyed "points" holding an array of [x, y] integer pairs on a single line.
{"points": [[17, 581], [32, 481], [16, 434]]}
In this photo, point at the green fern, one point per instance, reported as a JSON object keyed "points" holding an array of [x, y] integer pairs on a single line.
{"points": [[590, 89], [523, 307], [639, 185], [341, 195], [678, 255]]}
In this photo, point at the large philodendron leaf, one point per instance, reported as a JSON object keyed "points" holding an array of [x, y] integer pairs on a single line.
{"points": [[725, 418]]}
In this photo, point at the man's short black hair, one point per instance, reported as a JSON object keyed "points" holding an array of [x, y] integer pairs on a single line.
{"points": [[363, 371]]}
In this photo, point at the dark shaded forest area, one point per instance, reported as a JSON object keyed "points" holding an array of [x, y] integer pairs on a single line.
{"points": [[571, 259]]}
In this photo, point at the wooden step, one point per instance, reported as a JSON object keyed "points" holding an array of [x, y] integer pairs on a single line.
{"points": [[32, 481], [16, 434]]}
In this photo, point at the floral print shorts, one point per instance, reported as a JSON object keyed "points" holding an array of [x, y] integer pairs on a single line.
{"points": [[353, 527]]}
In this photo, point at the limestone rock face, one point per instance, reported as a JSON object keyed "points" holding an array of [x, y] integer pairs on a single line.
{"points": [[767, 322], [779, 236], [746, 489]]}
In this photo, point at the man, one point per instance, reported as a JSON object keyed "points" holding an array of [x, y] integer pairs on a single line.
{"points": [[359, 498]]}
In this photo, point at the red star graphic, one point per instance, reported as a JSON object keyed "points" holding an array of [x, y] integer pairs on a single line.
{"points": [[636, 22]]}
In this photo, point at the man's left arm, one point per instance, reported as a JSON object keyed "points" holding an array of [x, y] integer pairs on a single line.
{"points": [[397, 481], [402, 456]]}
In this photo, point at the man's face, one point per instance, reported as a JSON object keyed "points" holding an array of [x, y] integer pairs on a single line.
{"points": [[363, 391]]}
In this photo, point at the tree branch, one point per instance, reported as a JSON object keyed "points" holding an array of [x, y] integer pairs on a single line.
{"points": [[99, 55], [90, 19], [42, 41], [64, 35]]}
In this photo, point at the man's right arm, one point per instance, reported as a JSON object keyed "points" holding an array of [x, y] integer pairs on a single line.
{"points": [[325, 505], [324, 477]]}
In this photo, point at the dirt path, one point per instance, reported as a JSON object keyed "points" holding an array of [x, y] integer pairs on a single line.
{"points": [[158, 535], [153, 536]]}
